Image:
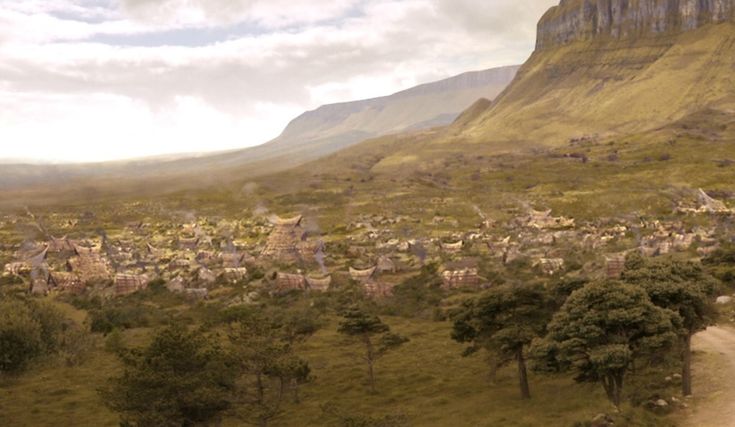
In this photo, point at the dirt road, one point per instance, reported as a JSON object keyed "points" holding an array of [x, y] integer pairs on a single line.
{"points": [[714, 379]]}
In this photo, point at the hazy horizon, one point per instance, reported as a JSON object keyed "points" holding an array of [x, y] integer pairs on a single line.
{"points": [[88, 81]]}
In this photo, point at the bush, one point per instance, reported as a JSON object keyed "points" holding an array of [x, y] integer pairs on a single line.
{"points": [[20, 337], [28, 330], [181, 378], [107, 319], [76, 344], [115, 342]]}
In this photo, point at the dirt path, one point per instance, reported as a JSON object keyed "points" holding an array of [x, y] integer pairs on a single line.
{"points": [[714, 379]]}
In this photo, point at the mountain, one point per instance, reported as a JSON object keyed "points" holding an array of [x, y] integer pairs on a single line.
{"points": [[613, 67], [603, 70], [310, 136], [425, 106]]}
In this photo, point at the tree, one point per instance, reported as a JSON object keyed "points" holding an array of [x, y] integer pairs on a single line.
{"points": [[20, 337], [685, 289], [268, 366], [504, 321], [181, 378], [366, 328], [602, 328], [28, 329]]}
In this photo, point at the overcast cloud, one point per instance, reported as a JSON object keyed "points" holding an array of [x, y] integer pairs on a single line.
{"points": [[88, 80]]}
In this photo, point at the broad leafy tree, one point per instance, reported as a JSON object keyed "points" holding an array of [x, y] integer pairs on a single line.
{"points": [[602, 328], [373, 334], [504, 321], [181, 378], [682, 287]]}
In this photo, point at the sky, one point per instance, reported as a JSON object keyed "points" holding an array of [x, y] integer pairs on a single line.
{"points": [[98, 80]]}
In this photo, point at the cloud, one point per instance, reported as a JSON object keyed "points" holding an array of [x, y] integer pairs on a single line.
{"points": [[269, 13], [130, 70]]}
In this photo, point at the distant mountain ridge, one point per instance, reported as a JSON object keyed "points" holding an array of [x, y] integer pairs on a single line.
{"points": [[310, 136], [427, 105]]}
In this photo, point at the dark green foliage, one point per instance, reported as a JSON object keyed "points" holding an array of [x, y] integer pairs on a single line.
{"points": [[115, 342], [121, 316], [365, 327], [268, 367], [682, 287], [604, 327], [418, 296], [562, 288], [504, 321], [181, 378], [28, 330], [721, 264], [20, 337]]}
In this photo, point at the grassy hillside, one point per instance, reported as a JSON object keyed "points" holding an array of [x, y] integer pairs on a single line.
{"points": [[647, 172], [612, 87]]}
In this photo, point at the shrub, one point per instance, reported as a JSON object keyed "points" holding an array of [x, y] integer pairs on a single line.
{"points": [[106, 319], [20, 337], [28, 330]]}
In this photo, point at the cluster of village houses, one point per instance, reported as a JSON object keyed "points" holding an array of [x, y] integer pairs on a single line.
{"points": [[198, 256]]}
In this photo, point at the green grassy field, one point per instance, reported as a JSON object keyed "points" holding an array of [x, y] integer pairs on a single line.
{"points": [[427, 381]]}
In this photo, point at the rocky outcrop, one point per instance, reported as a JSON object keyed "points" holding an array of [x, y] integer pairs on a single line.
{"points": [[575, 20]]}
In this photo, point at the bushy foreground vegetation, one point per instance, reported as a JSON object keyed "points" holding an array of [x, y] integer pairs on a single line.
{"points": [[340, 359]]}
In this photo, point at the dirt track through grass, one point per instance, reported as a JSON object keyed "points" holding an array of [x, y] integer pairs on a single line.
{"points": [[714, 379]]}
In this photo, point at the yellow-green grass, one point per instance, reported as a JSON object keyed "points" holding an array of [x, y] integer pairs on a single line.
{"points": [[426, 380]]}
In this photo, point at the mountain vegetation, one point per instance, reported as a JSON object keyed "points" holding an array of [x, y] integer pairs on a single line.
{"points": [[570, 239]]}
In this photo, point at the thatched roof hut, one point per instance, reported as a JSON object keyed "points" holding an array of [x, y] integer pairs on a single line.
{"points": [[452, 248], [319, 284], [461, 278], [550, 266], [89, 266], [285, 240], [386, 264], [126, 284], [60, 245], [614, 267], [709, 204], [18, 268], [206, 276], [176, 285], [64, 281], [233, 259], [289, 282], [362, 275], [234, 275]]}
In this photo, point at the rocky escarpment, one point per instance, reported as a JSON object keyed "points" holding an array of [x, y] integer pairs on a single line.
{"points": [[575, 20]]}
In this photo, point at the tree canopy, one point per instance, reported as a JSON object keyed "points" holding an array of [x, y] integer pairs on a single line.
{"points": [[504, 321], [181, 378], [602, 328]]}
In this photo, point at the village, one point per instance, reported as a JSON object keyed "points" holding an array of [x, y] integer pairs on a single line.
{"points": [[273, 254]]}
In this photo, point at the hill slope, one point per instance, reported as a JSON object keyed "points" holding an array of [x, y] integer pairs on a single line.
{"points": [[612, 66], [310, 136]]}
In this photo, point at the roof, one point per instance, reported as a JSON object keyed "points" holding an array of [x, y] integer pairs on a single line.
{"points": [[364, 274], [319, 284], [278, 221]]}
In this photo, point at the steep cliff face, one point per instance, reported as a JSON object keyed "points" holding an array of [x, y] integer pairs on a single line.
{"points": [[614, 67], [575, 20]]}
